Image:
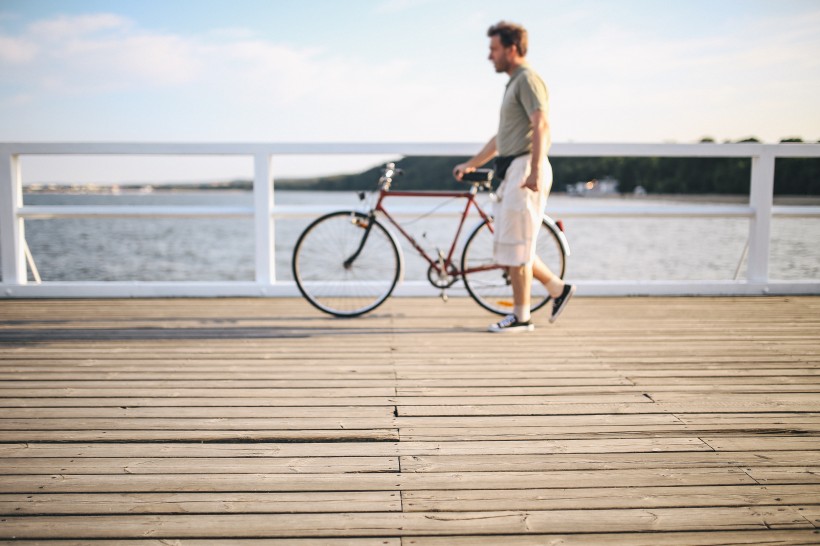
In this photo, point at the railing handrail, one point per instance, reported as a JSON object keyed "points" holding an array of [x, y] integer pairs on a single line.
{"points": [[760, 209], [558, 149]]}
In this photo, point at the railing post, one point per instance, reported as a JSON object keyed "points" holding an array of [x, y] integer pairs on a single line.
{"points": [[12, 234], [263, 219], [761, 198]]}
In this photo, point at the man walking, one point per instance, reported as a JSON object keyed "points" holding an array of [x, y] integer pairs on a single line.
{"points": [[521, 147]]}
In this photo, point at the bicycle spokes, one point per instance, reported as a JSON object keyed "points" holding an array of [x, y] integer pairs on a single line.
{"points": [[346, 264]]}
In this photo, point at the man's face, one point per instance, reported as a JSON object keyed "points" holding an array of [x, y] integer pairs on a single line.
{"points": [[500, 55]]}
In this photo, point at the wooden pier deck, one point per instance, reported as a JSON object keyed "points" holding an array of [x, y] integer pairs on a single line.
{"points": [[644, 421]]}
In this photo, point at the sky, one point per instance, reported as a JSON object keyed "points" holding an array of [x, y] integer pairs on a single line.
{"points": [[394, 71]]}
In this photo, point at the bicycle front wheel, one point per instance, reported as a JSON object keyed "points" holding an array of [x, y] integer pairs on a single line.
{"points": [[346, 264], [489, 285]]}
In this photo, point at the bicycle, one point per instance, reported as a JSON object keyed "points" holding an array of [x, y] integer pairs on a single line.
{"points": [[347, 263]]}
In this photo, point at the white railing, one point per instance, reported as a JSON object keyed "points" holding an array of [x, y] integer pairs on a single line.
{"points": [[13, 213]]}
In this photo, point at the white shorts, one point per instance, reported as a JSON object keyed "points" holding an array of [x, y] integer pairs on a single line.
{"points": [[518, 213]]}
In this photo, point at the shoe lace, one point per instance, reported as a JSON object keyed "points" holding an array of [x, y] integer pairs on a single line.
{"points": [[508, 320]]}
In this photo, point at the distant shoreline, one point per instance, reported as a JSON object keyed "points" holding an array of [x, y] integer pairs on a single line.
{"points": [[735, 199], [728, 199]]}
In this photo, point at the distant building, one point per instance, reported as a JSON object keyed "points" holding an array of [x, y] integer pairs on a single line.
{"points": [[594, 187]]}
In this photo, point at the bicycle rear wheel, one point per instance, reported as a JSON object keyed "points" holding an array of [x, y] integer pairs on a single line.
{"points": [[490, 286], [346, 264]]}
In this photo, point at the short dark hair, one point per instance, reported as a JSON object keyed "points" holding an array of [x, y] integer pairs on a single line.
{"points": [[510, 34]]}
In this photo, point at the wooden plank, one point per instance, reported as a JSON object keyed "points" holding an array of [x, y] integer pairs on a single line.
{"points": [[435, 408], [607, 498], [215, 435], [811, 513], [771, 443], [200, 503], [723, 538], [736, 418], [198, 465], [722, 384], [800, 371], [324, 541], [592, 399], [129, 423], [601, 461], [360, 449], [810, 473], [70, 392], [182, 402], [161, 380], [408, 524], [192, 412], [472, 433], [69, 483], [573, 420], [415, 463], [712, 406]]}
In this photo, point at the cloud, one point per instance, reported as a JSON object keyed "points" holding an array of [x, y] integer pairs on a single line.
{"points": [[16, 51], [92, 54], [230, 76], [66, 27], [106, 53], [107, 77], [626, 83], [20, 99], [396, 6]]}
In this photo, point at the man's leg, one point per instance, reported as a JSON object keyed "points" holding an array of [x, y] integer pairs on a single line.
{"points": [[552, 282], [521, 281], [519, 321], [559, 291]]}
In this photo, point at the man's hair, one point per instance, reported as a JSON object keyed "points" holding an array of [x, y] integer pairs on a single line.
{"points": [[510, 34]]}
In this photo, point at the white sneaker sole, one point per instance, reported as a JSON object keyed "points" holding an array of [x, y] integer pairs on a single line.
{"points": [[511, 330]]}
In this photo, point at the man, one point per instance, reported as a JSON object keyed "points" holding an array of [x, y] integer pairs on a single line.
{"points": [[521, 145]]}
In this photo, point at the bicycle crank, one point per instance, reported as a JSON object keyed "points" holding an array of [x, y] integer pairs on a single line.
{"points": [[440, 278]]}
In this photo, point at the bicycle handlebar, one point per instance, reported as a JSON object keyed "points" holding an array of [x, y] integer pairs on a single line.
{"points": [[481, 178], [478, 175], [390, 170]]}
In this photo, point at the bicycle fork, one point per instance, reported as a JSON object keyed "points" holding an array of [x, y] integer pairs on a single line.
{"points": [[367, 224]]}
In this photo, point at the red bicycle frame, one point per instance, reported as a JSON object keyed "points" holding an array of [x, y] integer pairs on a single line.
{"points": [[447, 263]]}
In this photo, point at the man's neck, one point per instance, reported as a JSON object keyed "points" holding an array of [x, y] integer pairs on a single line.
{"points": [[515, 65]]}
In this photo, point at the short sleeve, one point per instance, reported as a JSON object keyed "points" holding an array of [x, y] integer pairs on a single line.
{"points": [[533, 94]]}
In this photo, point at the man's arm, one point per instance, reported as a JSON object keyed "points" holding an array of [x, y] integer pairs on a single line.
{"points": [[540, 130], [487, 153]]}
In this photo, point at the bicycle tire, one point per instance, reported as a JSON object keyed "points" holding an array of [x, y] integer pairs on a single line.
{"points": [[341, 290], [491, 288]]}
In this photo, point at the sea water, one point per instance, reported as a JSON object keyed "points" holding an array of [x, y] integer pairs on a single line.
{"points": [[222, 249]]}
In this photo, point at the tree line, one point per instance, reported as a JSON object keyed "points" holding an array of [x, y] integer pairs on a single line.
{"points": [[679, 175]]}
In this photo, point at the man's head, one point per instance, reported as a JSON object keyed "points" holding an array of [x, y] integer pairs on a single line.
{"points": [[508, 45]]}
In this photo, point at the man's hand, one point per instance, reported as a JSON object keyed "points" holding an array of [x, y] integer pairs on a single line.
{"points": [[531, 183], [486, 154], [460, 169]]}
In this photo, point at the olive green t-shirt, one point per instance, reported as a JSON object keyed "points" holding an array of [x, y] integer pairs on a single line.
{"points": [[525, 93]]}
